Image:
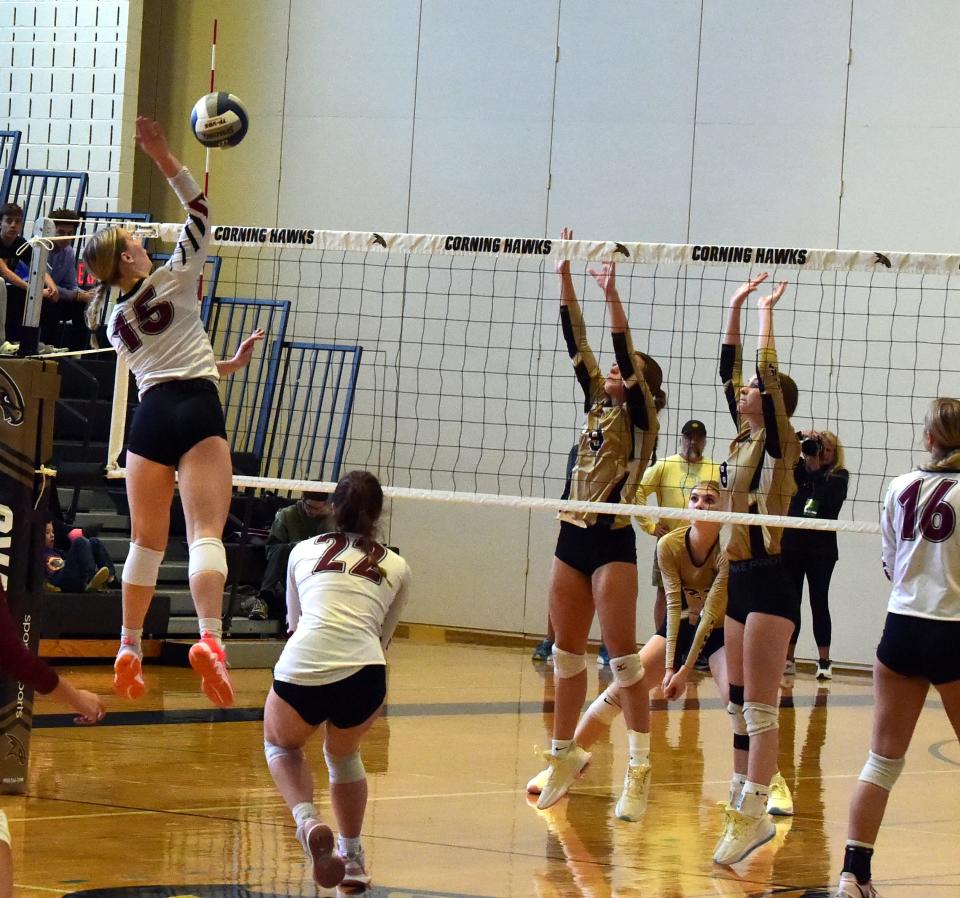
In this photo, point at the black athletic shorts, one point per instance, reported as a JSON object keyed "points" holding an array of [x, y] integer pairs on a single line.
{"points": [[685, 634], [762, 584], [920, 647], [173, 417], [346, 703], [588, 548]]}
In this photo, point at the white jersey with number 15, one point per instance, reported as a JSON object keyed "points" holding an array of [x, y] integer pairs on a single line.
{"points": [[921, 544], [156, 328]]}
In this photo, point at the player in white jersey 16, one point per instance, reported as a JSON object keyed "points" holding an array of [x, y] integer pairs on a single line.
{"points": [[178, 428], [921, 557], [345, 592]]}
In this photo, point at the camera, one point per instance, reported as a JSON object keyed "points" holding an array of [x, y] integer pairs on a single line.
{"points": [[811, 445]]}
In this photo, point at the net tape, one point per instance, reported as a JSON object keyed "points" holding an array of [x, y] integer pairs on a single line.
{"points": [[537, 504]]}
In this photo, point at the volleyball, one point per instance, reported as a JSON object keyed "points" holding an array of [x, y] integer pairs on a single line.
{"points": [[219, 120]]}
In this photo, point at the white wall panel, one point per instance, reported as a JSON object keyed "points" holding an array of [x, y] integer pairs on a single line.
{"points": [[348, 115], [769, 137], [54, 50], [903, 129], [483, 112], [623, 126]]}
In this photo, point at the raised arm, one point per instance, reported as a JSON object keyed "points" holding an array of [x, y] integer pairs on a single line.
{"points": [[575, 333], [765, 305], [191, 251], [775, 418], [731, 363], [637, 396]]}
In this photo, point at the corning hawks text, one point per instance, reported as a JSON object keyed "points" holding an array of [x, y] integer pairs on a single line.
{"points": [[757, 255], [525, 246], [276, 236]]}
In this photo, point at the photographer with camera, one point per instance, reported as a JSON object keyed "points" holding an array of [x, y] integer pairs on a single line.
{"points": [[821, 491]]}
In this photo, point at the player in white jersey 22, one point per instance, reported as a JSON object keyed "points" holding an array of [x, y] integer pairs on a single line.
{"points": [[921, 557], [178, 428], [345, 592]]}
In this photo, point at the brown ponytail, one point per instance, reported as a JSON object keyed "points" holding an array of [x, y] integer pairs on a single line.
{"points": [[357, 504], [942, 424]]}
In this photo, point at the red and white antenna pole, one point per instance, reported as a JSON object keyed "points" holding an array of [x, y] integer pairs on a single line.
{"points": [[213, 78]]}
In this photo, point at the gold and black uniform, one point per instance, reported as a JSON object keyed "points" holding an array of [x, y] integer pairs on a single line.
{"points": [[614, 448], [696, 599], [757, 477]]}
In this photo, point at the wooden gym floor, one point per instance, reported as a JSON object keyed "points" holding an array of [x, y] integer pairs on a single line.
{"points": [[174, 795]]}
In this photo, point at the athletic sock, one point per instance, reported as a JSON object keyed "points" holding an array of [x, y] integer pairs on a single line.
{"points": [[639, 745], [303, 812], [130, 640], [558, 746], [347, 846], [753, 799], [211, 626], [736, 788]]}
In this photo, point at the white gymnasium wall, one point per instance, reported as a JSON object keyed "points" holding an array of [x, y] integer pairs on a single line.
{"points": [[69, 74], [716, 121]]}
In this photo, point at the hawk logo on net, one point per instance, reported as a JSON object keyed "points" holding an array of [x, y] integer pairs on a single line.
{"points": [[881, 259], [11, 400]]}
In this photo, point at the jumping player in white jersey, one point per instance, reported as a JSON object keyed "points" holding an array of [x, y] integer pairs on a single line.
{"points": [[921, 557], [178, 428], [345, 592]]}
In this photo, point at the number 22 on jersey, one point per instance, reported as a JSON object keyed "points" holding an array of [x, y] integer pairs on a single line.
{"points": [[151, 319], [367, 567]]}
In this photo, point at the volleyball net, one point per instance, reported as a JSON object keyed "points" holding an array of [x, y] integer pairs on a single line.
{"points": [[437, 361]]}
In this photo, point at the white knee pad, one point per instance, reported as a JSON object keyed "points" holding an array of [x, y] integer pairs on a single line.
{"points": [[345, 769], [627, 669], [142, 566], [566, 664], [737, 719], [4, 828], [880, 771], [207, 554], [760, 718], [273, 752]]}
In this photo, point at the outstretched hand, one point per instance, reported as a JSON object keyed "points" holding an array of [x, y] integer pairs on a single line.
{"points": [[768, 302], [151, 138], [606, 277], [245, 352], [744, 290], [562, 266]]}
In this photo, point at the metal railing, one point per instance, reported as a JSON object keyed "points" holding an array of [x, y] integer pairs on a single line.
{"points": [[38, 190], [9, 148]]}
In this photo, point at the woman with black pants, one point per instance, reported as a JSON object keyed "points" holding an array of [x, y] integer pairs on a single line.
{"points": [[821, 491]]}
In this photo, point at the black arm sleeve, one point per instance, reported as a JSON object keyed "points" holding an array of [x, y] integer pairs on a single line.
{"points": [[635, 399]]}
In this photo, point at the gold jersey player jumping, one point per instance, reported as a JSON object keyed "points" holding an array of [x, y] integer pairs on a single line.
{"points": [[595, 564]]}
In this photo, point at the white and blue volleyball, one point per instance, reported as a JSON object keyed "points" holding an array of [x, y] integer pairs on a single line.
{"points": [[219, 120]]}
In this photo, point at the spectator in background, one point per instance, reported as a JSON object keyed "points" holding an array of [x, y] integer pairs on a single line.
{"points": [[84, 567], [308, 517], [821, 490], [71, 305], [15, 270], [671, 480]]}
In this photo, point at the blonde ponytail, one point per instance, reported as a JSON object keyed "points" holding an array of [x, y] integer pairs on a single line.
{"points": [[101, 256]]}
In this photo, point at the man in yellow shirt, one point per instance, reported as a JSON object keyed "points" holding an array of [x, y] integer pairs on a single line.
{"points": [[671, 480]]}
